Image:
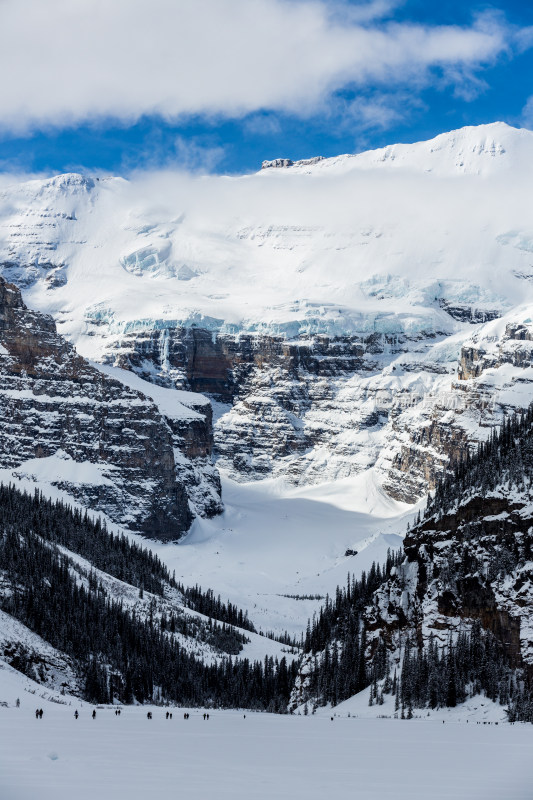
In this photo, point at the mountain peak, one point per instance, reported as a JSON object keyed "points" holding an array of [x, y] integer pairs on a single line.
{"points": [[473, 149], [69, 182]]}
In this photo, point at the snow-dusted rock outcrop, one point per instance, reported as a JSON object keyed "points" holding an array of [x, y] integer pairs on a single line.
{"points": [[470, 556], [103, 442]]}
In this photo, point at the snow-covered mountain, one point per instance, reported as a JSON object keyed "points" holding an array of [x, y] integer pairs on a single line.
{"points": [[357, 322], [328, 305], [354, 244]]}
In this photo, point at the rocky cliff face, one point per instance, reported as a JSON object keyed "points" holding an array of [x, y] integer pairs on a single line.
{"points": [[492, 379], [103, 442], [284, 407], [441, 587], [469, 558], [320, 408], [314, 409]]}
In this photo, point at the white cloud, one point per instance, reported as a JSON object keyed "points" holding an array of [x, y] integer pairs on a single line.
{"points": [[376, 113], [69, 61], [361, 12], [524, 38], [527, 114], [262, 125], [195, 157]]}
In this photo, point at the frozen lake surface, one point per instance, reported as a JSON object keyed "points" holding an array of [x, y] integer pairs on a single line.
{"points": [[258, 758]]}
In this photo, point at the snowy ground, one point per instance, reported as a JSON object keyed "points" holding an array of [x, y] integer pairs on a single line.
{"points": [[271, 541], [274, 541], [476, 710], [257, 758]]}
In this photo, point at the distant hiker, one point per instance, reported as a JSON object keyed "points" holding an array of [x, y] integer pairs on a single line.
{"points": [[76, 715], [94, 713], [244, 715], [171, 715], [18, 702], [205, 715], [41, 713], [36, 713], [149, 715], [208, 716], [168, 714]]}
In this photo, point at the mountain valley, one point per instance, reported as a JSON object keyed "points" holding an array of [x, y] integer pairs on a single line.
{"points": [[264, 376]]}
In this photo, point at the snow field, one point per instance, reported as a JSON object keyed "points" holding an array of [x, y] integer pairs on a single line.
{"points": [[273, 541], [260, 757], [298, 247]]}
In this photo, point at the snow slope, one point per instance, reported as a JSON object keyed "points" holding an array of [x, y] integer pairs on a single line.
{"points": [[476, 710], [259, 757], [271, 541], [349, 244], [275, 542], [172, 403]]}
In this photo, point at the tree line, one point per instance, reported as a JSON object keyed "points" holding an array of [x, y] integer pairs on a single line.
{"points": [[506, 458], [114, 554], [335, 639], [116, 653]]}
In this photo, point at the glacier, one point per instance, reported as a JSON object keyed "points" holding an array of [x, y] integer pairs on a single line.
{"points": [[376, 268]]}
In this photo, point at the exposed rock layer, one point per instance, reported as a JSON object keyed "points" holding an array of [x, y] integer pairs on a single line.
{"points": [[311, 410], [471, 564], [114, 451]]}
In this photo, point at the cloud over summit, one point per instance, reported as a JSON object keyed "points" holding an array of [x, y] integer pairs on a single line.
{"points": [[72, 62]]}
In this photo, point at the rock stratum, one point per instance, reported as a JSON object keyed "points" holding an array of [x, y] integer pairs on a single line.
{"points": [[103, 442], [322, 408]]}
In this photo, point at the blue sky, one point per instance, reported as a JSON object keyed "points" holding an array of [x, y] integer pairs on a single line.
{"points": [[220, 85]]}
